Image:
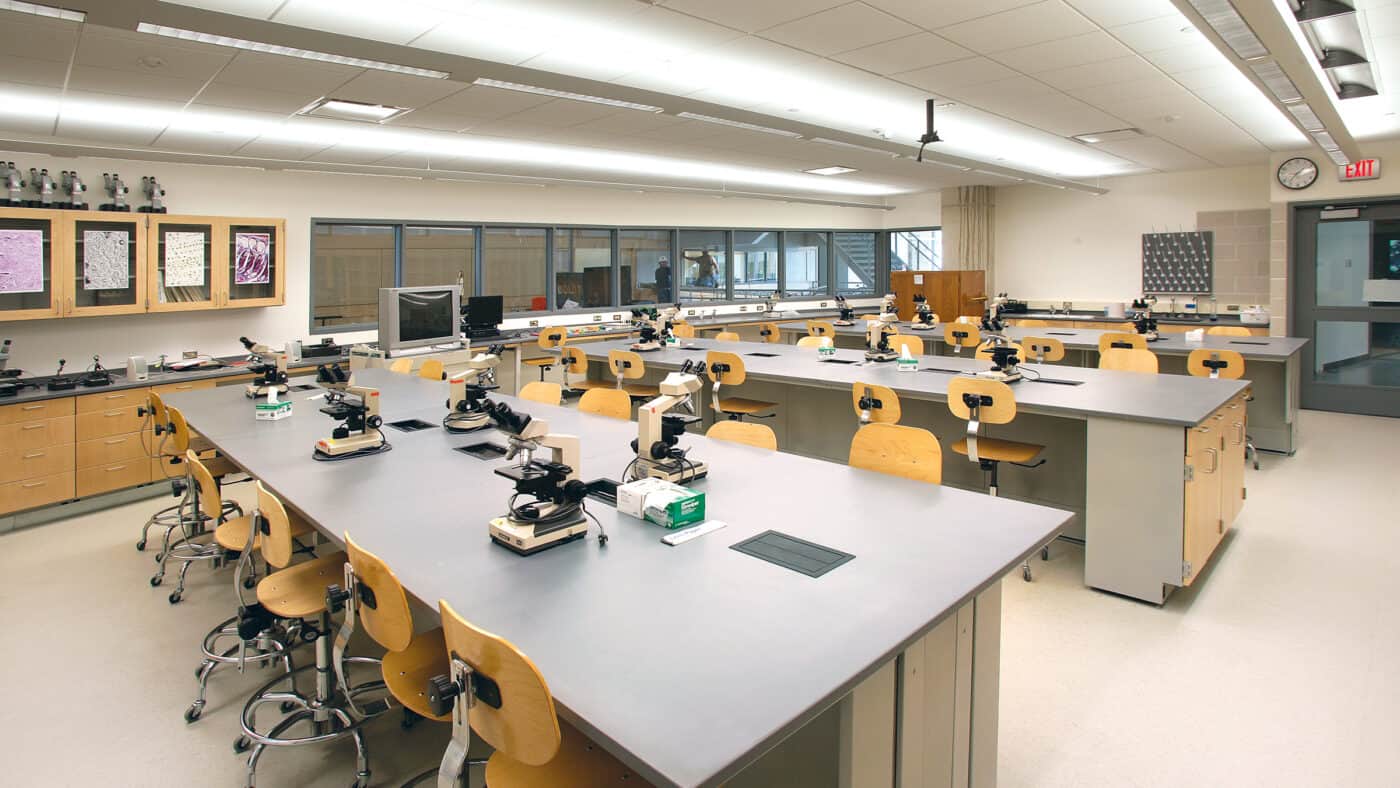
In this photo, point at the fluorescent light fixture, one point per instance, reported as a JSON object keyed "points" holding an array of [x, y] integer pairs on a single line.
{"points": [[277, 49], [948, 164], [832, 170], [1112, 135], [853, 146], [1339, 158], [564, 94], [739, 124], [1231, 27], [1276, 81], [1306, 117], [43, 10], [340, 109], [1313, 10], [1324, 139], [1047, 183], [1001, 175]]}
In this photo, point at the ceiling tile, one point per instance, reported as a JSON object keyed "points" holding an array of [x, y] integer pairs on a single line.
{"points": [[486, 103], [688, 131], [1223, 76], [933, 14], [1163, 32], [430, 118], [630, 122], [256, 9], [348, 154], [30, 71], [1063, 53], [488, 39], [997, 95], [119, 50], [397, 90], [1156, 86], [1197, 52], [958, 74], [1090, 75], [224, 142], [1108, 13], [564, 113], [361, 18], [148, 86], [288, 74], [840, 29], [278, 149], [748, 15], [1062, 115], [904, 54], [1155, 153], [1032, 24], [38, 37], [239, 97]]}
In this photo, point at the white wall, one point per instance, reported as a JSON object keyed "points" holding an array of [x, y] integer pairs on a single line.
{"points": [[1054, 245], [297, 197]]}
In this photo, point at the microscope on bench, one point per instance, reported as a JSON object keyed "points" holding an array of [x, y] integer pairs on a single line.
{"points": [[1004, 358], [655, 327], [357, 408], [879, 331], [269, 368], [848, 313], [554, 513], [1143, 321], [924, 318], [467, 404], [658, 432]]}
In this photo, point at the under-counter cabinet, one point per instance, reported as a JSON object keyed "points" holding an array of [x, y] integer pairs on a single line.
{"points": [[36, 454], [1214, 487]]}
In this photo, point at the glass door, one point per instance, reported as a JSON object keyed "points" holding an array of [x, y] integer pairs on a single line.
{"points": [[1346, 274]]}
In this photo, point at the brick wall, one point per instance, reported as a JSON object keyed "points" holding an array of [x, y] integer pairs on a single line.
{"points": [[1241, 255]]}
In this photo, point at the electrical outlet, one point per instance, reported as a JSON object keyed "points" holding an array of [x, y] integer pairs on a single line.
{"points": [[617, 318], [690, 313], [1232, 307], [823, 305], [534, 324], [597, 318], [743, 309]]}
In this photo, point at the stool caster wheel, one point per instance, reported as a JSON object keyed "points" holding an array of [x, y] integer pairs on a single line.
{"points": [[141, 546], [242, 744], [175, 597], [249, 583], [155, 581], [1026, 573], [361, 782], [287, 707], [193, 713]]}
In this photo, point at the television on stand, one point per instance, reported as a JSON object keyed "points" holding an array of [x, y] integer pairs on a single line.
{"points": [[419, 317]]}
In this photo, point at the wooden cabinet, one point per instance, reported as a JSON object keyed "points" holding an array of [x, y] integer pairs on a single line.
{"points": [[950, 294], [33, 493], [1232, 460], [255, 270], [186, 256], [102, 268], [31, 287], [36, 454], [1214, 487]]}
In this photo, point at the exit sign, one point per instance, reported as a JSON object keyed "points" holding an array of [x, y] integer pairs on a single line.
{"points": [[1364, 170]]}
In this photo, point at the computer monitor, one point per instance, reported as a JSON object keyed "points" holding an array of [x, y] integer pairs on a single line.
{"points": [[412, 317], [485, 313]]}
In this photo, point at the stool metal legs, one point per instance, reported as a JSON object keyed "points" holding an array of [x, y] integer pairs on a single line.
{"points": [[991, 468]]}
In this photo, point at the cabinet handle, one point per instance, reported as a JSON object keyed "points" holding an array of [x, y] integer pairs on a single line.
{"points": [[115, 468], [114, 441], [34, 455], [109, 414], [32, 485], [1239, 425], [1203, 429], [34, 407], [34, 426], [1214, 460], [115, 396], [184, 387], [70, 306]]}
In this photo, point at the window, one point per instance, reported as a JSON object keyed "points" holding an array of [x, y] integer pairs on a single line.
{"points": [[439, 256], [644, 266], [916, 250], [855, 263], [755, 264], [582, 268], [514, 267], [805, 264], [352, 262], [704, 265]]}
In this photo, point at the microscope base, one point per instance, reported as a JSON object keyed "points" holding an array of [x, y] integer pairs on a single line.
{"points": [[256, 391], [881, 357], [922, 327], [336, 447], [527, 538], [646, 347], [843, 322], [466, 422], [1004, 377], [674, 472]]}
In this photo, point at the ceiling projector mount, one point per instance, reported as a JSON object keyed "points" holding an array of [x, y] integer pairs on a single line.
{"points": [[931, 133]]}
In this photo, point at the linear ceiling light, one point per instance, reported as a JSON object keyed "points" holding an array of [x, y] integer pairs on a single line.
{"points": [[1000, 175], [853, 146], [950, 165], [1313, 10], [564, 94], [1112, 135], [276, 49], [739, 124], [1339, 58], [43, 10], [1339, 158], [1325, 140], [1276, 81], [1306, 117], [832, 170], [1231, 27]]}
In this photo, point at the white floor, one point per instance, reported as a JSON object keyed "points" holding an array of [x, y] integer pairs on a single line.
{"points": [[1277, 669]]}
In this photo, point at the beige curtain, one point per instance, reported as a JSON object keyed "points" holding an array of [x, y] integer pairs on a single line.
{"points": [[976, 218]]}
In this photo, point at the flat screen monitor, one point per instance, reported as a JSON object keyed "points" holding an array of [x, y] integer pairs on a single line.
{"points": [[412, 317], [485, 311]]}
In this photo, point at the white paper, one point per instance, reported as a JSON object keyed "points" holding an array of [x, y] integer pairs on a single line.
{"points": [[184, 259], [106, 259]]}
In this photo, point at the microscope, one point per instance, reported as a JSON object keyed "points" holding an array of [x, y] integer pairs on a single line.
{"points": [[73, 188], [1004, 369], [14, 184], [96, 375], [770, 304], [155, 195], [1143, 321], [879, 331], [467, 403], [332, 377], [43, 186], [117, 190], [658, 432], [357, 407], [269, 368], [655, 327], [924, 318], [554, 512], [848, 313], [1004, 359]]}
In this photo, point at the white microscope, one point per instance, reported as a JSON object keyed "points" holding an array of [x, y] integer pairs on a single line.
{"points": [[658, 433]]}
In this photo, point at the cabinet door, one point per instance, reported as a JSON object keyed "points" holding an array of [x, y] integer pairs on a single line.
{"points": [[255, 272], [187, 260], [104, 264], [31, 245], [1202, 528], [1232, 461]]}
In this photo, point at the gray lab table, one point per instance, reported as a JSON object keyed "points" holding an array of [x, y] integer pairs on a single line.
{"points": [[694, 664], [1272, 364], [1115, 442]]}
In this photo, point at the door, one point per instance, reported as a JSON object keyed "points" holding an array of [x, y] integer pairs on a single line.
{"points": [[1346, 292], [1203, 525]]}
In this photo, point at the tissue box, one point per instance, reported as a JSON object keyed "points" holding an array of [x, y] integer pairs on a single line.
{"points": [[661, 502], [272, 411], [907, 364]]}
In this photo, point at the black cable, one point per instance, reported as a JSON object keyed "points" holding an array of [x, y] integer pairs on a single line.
{"points": [[447, 425], [380, 449], [602, 532]]}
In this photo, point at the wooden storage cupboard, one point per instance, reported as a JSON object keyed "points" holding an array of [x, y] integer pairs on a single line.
{"points": [[950, 294], [36, 454], [31, 294], [1214, 487], [102, 266]]}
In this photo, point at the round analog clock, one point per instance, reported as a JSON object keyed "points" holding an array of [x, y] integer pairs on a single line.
{"points": [[1297, 173]]}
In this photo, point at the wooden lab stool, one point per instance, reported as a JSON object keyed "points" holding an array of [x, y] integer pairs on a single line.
{"points": [[573, 361], [727, 369], [821, 328], [896, 450], [628, 365], [550, 338], [1229, 365], [961, 335], [1044, 349], [1128, 360], [745, 432], [769, 333], [166, 444], [875, 404]]}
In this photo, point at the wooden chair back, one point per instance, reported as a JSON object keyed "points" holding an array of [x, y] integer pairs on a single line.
{"points": [[1229, 331], [277, 543], [179, 441], [910, 452], [543, 392], [888, 412], [551, 338], [869, 317], [770, 333], [574, 360], [389, 620], [732, 371], [814, 341], [961, 334], [403, 366], [525, 728], [984, 351], [155, 406], [683, 330], [746, 432], [626, 364], [613, 403], [727, 336], [1110, 339], [996, 401], [1207, 362], [211, 502], [820, 328], [431, 369], [1128, 360], [975, 320], [1043, 349], [900, 341]]}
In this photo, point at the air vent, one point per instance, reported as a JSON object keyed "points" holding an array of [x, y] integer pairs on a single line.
{"points": [[1231, 27], [1306, 117], [340, 109], [1276, 81], [1324, 139], [1114, 135]]}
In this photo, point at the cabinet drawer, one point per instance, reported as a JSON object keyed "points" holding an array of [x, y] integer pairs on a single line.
{"points": [[114, 421], [37, 434], [23, 464], [189, 385], [111, 400], [18, 496], [33, 411], [115, 476], [112, 449]]}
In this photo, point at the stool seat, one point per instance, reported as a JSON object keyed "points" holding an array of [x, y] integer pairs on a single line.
{"points": [[1001, 451], [233, 534], [578, 762], [743, 405], [542, 361], [299, 591], [406, 672], [646, 390], [585, 385]]}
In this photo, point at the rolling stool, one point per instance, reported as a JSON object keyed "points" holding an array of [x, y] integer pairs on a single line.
{"points": [[550, 338], [257, 636], [1122, 341], [683, 330], [725, 368], [627, 365], [769, 333], [898, 342], [961, 335], [1128, 360], [991, 401], [494, 689], [573, 360], [373, 596], [821, 328], [1044, 349], [875, 404], [190, 546], [299, 592], [897, 450], [1227, 364], [165, 449]]}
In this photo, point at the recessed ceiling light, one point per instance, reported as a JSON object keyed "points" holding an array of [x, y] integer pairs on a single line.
{"points": [[277, 49], [43, 10], [1112, 135], [832, 170], [739, 124], [564, 94], [340, 109]]}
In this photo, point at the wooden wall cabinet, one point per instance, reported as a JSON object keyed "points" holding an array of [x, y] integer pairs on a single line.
{"points": [[103, 266], [29, 293], [950, 294]]}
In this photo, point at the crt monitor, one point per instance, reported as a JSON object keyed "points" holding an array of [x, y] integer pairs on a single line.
{"points": [[412, 317], [485, 311]]}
